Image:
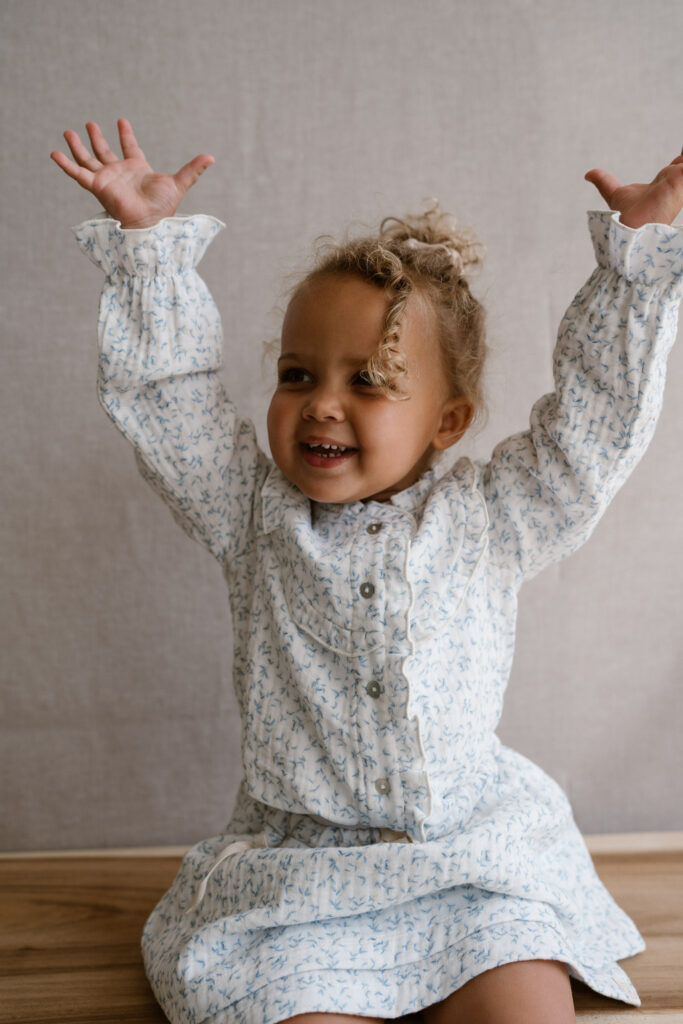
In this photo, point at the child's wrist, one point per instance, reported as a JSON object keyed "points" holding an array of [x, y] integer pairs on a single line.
{"points": [[624, 219], [138, 225], [635, 222]]}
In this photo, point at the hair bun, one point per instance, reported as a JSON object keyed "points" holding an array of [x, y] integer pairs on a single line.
{"points": [[452, 253], [435, 236]]}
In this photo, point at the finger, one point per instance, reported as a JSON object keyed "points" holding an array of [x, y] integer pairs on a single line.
{"points": [[80, 152], [129, 144], [82, 175], [99, 144], [605, 182], [187, 175]]}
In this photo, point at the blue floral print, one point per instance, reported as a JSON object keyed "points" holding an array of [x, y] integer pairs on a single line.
{"points": [[385, 847]]}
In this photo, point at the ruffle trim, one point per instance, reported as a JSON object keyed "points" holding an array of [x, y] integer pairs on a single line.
{"points": [[175, 244], [651, 255]]}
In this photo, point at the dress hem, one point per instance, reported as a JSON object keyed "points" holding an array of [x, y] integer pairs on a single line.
{"points": [[409, 989]]}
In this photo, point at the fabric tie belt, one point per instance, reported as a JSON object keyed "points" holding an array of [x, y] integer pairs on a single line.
{"points": [[257, 842]]}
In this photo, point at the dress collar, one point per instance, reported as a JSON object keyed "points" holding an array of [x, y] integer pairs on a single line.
{"points": [[280, 497]]}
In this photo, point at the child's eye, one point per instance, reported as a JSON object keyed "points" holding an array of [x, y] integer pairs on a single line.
{"points": [[363, 378], [294, 375]]}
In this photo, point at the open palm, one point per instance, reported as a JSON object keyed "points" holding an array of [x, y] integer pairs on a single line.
{"points": [[128, 189]]}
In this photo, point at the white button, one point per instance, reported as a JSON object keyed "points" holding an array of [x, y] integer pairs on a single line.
{"points": [[367, 589], [374, 527], [383, 786], [373, 689]]}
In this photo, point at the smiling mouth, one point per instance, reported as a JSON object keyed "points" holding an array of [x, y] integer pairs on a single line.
{"points": [[326, 455], [329, 451]]}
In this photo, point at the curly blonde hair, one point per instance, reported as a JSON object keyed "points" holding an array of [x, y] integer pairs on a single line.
{"points": [[428, 255]]}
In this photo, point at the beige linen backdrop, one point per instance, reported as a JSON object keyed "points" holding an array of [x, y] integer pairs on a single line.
{"points": [[118, 725]]}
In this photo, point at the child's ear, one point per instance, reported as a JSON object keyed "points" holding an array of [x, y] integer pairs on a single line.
{"points": [[456, 416]]}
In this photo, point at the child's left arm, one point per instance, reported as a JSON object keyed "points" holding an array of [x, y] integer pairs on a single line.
{"points": [[547, 487]]}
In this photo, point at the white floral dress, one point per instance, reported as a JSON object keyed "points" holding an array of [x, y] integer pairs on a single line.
{"points": [[385, 847]]}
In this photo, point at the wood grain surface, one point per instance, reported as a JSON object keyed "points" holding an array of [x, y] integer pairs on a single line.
{"points": [[70, 932]]}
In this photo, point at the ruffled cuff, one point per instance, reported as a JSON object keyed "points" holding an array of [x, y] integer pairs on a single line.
{"points": [[175, 244], [651, 255]]}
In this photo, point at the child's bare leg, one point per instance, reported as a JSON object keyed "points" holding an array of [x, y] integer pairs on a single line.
{"points": [[527, 992]]}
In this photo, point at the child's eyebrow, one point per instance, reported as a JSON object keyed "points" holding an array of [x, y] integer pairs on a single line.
{"points": [[350, 360]]}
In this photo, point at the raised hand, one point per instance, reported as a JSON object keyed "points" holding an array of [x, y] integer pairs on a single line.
{"points": [[127, 188], [657, 203]]}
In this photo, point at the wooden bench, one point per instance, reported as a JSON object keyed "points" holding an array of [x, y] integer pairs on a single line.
{"points": [[70, 927]]}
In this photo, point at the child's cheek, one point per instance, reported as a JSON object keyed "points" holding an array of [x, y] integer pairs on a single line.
{"points": [[388, 425], [276, 426]]}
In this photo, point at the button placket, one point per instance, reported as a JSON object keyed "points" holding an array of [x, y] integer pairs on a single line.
{"points": [[373, 687]]}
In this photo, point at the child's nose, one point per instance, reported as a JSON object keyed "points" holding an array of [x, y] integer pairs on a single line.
{"points": [[324, 404]]}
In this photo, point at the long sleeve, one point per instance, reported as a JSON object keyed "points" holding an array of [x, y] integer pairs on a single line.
{"points": [[546, 488], [160, 347]]}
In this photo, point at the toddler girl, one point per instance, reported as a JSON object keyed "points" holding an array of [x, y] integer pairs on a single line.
{"points": [[387, 855]]}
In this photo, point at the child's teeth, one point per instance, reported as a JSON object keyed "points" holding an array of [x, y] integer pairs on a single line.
{"points": [[331, 449]]}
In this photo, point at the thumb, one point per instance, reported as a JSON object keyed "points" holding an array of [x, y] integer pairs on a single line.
{"points": [[605, 183], [188, 175]]}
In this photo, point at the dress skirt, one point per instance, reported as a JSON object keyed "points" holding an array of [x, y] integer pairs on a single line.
{"points": [[284, 914]]}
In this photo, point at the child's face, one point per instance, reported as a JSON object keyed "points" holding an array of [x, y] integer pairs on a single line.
{"points": [[331, 328]]}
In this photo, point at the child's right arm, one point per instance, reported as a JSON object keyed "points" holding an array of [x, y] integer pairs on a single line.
{"points": [[160, 342]]}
